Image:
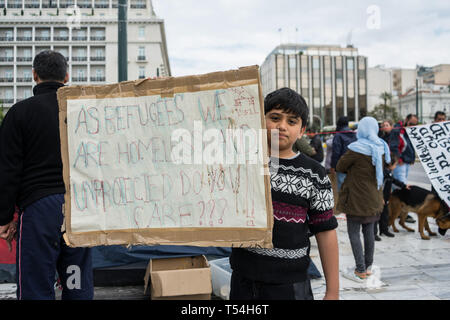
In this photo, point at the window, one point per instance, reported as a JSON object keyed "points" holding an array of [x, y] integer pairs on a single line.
{"points": [[141, 53], [141, 32], [141, 72]]}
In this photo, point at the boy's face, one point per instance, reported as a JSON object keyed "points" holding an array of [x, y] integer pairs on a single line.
{"points": [[290, 129]]}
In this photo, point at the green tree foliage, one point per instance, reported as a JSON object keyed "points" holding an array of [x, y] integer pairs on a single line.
{"points": [[382, 112]]}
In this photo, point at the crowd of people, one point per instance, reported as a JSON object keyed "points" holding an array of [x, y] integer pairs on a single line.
{"points": [[370, 159], [351, 158]]}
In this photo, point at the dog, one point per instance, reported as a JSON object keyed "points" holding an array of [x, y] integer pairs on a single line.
{"points": [[421, 201], [443, 222]]}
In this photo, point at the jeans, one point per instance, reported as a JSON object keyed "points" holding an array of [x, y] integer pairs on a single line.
{"points": [[340, 179], [41, 251], [363, 258], [401, 173]]}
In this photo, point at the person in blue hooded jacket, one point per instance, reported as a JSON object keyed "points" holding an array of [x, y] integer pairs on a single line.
{"points": [[361, 195], [342, 139]]}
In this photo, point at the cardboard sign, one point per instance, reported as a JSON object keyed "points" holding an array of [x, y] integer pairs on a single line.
{"points": [[432, 144], [167, 161]]}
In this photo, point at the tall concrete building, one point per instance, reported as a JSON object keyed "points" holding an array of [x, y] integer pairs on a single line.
{"points": [[85, 32], [403, 80], [332, 79], [379, 80], [437, 75]]}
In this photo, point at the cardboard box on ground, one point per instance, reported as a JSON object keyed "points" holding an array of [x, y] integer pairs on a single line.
{"points": [[186, 278]]}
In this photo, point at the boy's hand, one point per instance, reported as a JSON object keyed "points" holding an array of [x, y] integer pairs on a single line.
{"points": [[408, 187]]}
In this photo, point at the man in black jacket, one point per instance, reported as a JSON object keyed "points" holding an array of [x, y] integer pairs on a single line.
{"points": [[31, 179]]}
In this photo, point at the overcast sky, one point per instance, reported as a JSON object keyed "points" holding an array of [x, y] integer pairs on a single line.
{"points": [[217, 35]]}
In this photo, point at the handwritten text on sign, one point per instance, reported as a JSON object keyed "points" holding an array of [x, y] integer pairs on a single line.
{"points": [[178, 162], [432, 144]]}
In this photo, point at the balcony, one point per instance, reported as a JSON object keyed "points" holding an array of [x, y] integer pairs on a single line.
{"points": [[101, 4], [79, 38], [23, 38], [32, 5], [61, 38], [24, 59], [6, 38], [6, 101], [98, 38], [98, 58], [141, 58], [98, 79], [43, 38], [79, 58], [79, 79], [138, 6], [24, 79], [6, 79], [15, 5], [6, 59]]}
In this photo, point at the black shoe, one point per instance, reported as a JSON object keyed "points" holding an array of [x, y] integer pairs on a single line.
{"points": [[410, 219], [387, 234], [377, 238]]}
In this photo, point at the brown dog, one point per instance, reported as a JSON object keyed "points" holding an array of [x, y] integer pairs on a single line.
{"points": [[443, 221], [418, 200]]}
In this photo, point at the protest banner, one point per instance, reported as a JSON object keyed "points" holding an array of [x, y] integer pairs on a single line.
{"points": [[167, 161], [432, 145]]}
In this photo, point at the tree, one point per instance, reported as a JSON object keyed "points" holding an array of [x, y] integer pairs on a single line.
{"points": [[386, 96], [382, 112], [2, 114]]}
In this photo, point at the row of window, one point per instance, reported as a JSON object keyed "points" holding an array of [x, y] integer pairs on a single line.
{"points": [[60, 35], [19, 4]]}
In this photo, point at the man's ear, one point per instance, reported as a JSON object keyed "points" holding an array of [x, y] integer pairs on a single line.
{"points": [[66, 78], [302, 132], [35, 76]]}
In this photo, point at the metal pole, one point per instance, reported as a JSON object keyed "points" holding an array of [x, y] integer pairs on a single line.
{"points": [[417, 97], [122, 43]]}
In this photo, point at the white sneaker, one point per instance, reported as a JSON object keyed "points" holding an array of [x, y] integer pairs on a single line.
{"points": [[349, 273]]}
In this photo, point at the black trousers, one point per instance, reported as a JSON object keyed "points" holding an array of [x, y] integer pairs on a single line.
{"points": [[384, 221], [246, 289]]}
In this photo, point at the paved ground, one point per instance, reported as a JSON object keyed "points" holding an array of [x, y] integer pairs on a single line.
{"points": [[410, 268]]}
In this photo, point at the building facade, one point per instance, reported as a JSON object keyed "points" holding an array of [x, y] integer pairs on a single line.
{"points": [[403, 80], [423, 102], [379, 81], [86, 33], [438, 75], [332, 79]]}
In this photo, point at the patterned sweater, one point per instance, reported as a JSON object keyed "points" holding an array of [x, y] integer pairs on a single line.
{"points": [[302, 201]]}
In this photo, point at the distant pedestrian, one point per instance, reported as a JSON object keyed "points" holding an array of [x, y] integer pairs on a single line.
{"points": [[342, 139], [316, 143], [303, 145], [387, 190], [401, 146], [440, 116], [361, 196], [386, 130]]}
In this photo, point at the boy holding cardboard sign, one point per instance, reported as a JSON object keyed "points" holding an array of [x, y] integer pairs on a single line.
{"points": [[302, 200]]}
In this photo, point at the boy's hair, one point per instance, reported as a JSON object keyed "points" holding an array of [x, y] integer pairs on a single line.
{"points": [[388, 121], [50, 65], [289, 101]]}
